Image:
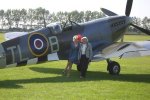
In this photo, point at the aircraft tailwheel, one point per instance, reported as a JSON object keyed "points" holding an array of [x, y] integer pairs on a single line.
{"points": [[113, 68]]}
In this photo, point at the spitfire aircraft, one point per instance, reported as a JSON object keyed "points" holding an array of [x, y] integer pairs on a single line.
{"points": [[53, 42]]}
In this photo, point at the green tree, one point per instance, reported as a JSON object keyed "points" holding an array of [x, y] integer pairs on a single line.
{"points": [[136, 21], [2, 15], [8, 16], [16, 17], [146, 23], [87, 16], [41, 16], [31, 17], [23, 15]]}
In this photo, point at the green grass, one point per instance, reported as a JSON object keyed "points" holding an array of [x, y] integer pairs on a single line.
{"points": [[46, 82], [1, 37], [136, 37]]}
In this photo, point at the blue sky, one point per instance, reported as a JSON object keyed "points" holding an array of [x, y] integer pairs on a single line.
{"points": [[140, 7]]}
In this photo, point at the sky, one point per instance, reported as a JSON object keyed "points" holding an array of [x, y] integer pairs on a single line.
{"points": [[140, 8]]}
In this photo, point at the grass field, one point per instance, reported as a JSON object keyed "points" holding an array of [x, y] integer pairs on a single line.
{"points": [[46, 82]]}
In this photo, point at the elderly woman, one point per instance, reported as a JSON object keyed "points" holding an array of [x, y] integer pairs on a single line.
{"points": [[84, 56]]}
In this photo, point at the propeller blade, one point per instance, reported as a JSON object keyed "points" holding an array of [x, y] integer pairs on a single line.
{"points": [[108, 12], [142, 29], [128, 7]]}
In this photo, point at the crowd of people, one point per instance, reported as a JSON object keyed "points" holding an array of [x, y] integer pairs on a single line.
{"points": [[80, 54]]}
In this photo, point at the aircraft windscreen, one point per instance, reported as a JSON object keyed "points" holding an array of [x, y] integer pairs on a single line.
{"points": [[69, 25], [56, 28]]}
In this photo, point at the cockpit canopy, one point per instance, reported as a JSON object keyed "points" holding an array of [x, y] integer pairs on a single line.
{"points": [[56, 28]]}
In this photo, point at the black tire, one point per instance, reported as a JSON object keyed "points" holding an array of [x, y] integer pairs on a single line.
{"points": [[78, 67], [113, 68]]}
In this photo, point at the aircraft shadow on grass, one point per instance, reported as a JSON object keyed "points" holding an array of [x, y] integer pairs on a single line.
{"points": [[91, 76]]}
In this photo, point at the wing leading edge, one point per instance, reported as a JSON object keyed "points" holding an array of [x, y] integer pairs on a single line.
{"points": [[125, 50]]}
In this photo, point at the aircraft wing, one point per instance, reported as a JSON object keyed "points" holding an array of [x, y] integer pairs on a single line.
{"points": [[124, 50]]}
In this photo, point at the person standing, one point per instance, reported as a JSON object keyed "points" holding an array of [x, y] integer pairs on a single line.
{"points": [[84, 56], [73, 55]]}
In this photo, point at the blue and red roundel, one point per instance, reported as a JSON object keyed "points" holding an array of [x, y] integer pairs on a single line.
{"points": [[38, 44]]}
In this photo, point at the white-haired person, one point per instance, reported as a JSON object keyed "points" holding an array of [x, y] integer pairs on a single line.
{"points": [[84, 56], [73, 55]]}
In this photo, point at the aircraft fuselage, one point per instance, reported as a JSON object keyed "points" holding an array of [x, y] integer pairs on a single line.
{"points": [[38, 46]]}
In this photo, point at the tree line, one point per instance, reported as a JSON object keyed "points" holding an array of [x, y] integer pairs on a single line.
{"points": [[145, 23], [30, 19], [35, 18]]}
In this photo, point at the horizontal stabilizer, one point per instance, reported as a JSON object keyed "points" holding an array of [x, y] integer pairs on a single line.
{"points": [[12, 35]]}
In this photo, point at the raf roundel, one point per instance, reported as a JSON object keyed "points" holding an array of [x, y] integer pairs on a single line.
{"points": [[38, 44]]}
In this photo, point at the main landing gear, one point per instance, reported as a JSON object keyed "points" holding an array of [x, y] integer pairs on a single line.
{"points": [[113, 67]]}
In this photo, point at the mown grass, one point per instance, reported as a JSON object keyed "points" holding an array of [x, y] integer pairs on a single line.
{"points": [[136, 37], [1, 37], [46, 82]]}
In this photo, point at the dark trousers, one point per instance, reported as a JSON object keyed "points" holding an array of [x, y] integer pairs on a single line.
{"points": [[84, 65]]}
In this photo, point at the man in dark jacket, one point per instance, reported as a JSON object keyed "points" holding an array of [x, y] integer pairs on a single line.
{"points": [[84, 56]]}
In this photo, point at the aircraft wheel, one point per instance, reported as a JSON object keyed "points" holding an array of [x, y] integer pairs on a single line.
{"points": [[113, 68], [78, 67]]}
